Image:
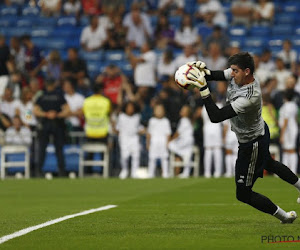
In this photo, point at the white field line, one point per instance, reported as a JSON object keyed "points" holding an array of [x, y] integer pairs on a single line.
{"points": [[51, 222]]}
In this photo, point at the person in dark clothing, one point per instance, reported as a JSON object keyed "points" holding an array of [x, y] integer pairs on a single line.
{"points": [[51, 109], [4, 56]]}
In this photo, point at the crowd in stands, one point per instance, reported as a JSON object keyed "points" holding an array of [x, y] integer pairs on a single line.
{"points": [[130, 51]]}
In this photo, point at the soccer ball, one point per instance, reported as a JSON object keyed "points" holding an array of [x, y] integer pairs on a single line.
{"points": [[181, 77]]}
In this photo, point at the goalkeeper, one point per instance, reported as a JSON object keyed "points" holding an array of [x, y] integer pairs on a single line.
{"points": [[244, 105]]}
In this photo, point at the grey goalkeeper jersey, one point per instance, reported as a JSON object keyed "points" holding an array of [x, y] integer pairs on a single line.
{"points": [[246, 101]]}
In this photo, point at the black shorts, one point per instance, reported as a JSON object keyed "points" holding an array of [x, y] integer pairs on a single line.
{"points": [[252, 158]]}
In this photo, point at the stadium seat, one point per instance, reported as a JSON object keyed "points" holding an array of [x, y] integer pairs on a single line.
{"points": [[50, 164], [282, 29], [7, 22], [71, 153], [295, 40], [195, 162], [114, 55], [291, 6], [276, 40], [42, 32], [204, 31], [259, 31], [237, 31], [253, 49], [9, 11], [46, 22], [25, 22], [94, 148], [285, 18], [11, 158], [255, 41], [19, 31], [237, 40], [67, 21], [91, 56], [55, 43], [175, 21], [30, 11]]}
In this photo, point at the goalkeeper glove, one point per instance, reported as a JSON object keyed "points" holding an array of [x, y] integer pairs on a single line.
{"points": [[197, 79], [200, 65]]}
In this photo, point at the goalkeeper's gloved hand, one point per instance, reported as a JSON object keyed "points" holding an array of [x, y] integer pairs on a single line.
{"points": [[197, 78], [200, 65]]}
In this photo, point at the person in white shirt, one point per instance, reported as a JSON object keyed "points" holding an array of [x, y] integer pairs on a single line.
{"points": [[281, 74], [263, 12], [187, 34], [231, 149], [176, 7], [166, 65], [213, 144], [289, 131], [288, 55], [75, 102], [18, 134], [158, 136], [128, 127], [50, 7], [93, 36], [182, 142], [188, 55], [25, 109], [72, 7], [139, 27], [9, 104], [211, 11]]}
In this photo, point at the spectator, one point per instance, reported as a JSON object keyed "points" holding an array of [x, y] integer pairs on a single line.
{"points": [[212, 146], [75, 102], [260, 72], [288, 55], [18, 134], [116, 35], [75, 67], [212, 13], [51, 109], [25, 109], [171, 7], [166, 66], [188, 55], [15, 84], [158, 136], [33, 55], [217, 36], [144, 68], [5, 123], [4, 57], [242, 12], [52, 65], [91, 7], [263, 12], [128, 128], [138, 26], [112, 80], [289, 131], [93, 36], [51, 7], [187, 34], [234, 48], [72, 7], [281, 74], [164, 34], [9, 104], [215, 59], [17, 51], [35, 89], [231, 146], [266, 61], [182, 142]]}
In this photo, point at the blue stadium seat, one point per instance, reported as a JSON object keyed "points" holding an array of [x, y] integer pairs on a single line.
{"points": [[291, 6], [9, 11], [276, 40], [282, 29], [295, 40], [190, 6], [55, 43], [91, 56], [25, 22], [297, 29], [285, 18], [67, 21], [19, 31], [46, 22], [15, 157], [42, 32], [71, 153], [255, 41], [240, 40], [153, 21], [175, 21], [50, 164], [204, 31], [237, 31], [7, 22], [30, 11], [253, 49], [114, 55], [126, 68], [95, 67], [259, 31], [72, 43], [84, 21]]}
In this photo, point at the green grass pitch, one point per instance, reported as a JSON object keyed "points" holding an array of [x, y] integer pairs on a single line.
{"points": [[151, 214]]}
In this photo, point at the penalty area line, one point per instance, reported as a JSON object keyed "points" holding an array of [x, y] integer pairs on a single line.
{"points": [[51, 222]]}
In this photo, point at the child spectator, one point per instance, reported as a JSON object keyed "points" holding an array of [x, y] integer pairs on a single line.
{"points": [[18, 134], [128, 127], [158, 136], [289, 131], [25, 109], [164, 33], [182, 142]]}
